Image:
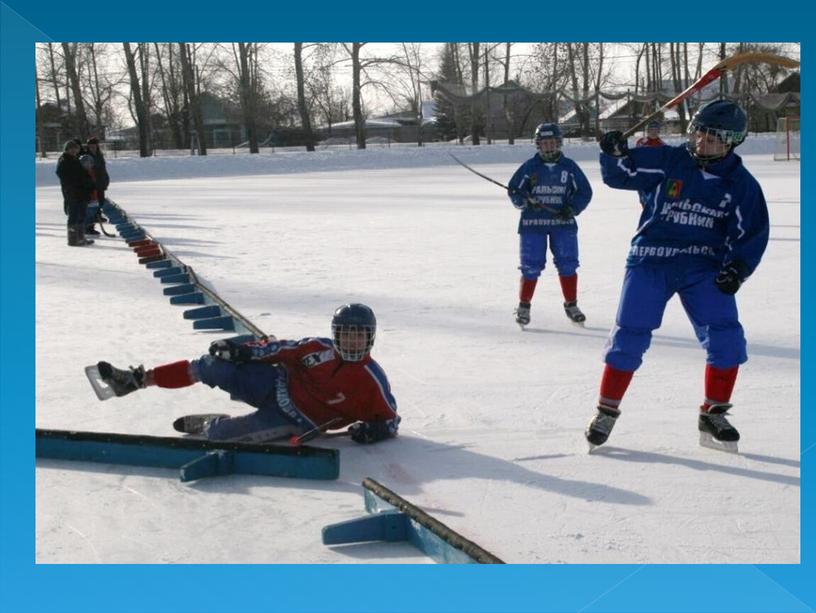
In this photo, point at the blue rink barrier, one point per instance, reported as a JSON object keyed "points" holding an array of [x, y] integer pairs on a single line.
{"points": [[185, 287], [177, 290], [182, 277], [205, 312], [215, 323], [191, 298], [393, 519], [194, 458], [168, 270]]}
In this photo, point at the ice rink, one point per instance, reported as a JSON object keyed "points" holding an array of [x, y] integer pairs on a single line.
{"points": [[491, 440]]}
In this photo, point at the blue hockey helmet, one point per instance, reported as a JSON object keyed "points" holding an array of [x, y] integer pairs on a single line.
{"points": [[723, 119], [547, 131], [654, 124], [354, 327]]}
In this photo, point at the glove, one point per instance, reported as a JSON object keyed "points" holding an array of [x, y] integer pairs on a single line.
{"points": [[566, 213], [729, 279], [366, 432], [519, 197], [614, 144], [230, 351]]}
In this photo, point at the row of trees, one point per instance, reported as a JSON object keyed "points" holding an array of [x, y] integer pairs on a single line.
{"points": [[550, 73], [303, 85]]}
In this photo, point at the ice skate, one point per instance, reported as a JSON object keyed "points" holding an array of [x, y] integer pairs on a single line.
{"points": [[716, 432], [600, 427], [196, 424], [109, 381], [522, 313], [574, 313]]}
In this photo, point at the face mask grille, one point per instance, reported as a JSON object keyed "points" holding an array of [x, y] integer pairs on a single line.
{"points": [[353, 342], [727, 138]]}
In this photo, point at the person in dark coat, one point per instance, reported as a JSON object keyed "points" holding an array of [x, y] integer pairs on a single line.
{"points": [[77, 186], [102, 180]]}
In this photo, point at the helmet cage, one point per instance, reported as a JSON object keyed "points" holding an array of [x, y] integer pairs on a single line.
{"points": [[729, 138], [353, 341], [548, 131]]}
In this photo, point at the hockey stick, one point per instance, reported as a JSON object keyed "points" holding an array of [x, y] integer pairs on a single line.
{"points": [[101, 226], [297, 441], [712, 75], [486, 178]]}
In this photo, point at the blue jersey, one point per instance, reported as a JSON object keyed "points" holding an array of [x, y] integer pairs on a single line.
{"points": [[553, 184], [717, 212]]}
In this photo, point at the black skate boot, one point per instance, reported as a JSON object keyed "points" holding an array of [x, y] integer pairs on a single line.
{"points": [[91, 231], [522, 313], [600, 427], [573, 312], [196, 424], [122, 382], [716, 432]]}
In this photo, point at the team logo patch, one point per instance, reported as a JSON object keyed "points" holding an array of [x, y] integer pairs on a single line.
{"points": [[673, 188], [313, 359]]}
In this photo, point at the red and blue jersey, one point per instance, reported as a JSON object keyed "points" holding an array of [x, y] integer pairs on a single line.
{"points": [[324, 387], [645, 141]]}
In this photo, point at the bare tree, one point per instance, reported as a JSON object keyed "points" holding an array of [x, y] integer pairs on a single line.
{"points": [[39, 116], [191, 94], [246, 60], [412, 54], [171, 91], [332, 102], [676, 62], [54, 75], [142, 113], [303, 108], [69, 51], [356, 94], [100, 83], [473, 49]]}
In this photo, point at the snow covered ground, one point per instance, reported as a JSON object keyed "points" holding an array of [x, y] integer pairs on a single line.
{"points": [[491, 440]]}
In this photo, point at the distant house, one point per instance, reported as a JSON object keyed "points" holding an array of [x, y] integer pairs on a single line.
{"points": [[222, 124], [222, 127], [398, 127]]}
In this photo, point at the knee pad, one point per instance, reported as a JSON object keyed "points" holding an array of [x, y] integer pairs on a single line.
{"points": [[566, 267], [625, 348], [531, 272], [725, 345], [213, 371]]}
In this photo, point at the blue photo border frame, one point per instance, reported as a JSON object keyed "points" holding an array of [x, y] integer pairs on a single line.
{"points": [[25, 586]]}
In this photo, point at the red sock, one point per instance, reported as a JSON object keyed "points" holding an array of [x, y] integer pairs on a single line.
{"points": [[172, 375], [527, 289], [719, 383], [569, 287], [613, 386]]}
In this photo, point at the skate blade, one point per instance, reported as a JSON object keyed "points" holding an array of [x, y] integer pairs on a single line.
{"points": [[580, 324], [707, 440], [102, 389]]}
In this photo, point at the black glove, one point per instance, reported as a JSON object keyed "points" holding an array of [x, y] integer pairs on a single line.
{"points": [[566, 213], [614, 144], [365, 432], [227, 349], [729, 279]]}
